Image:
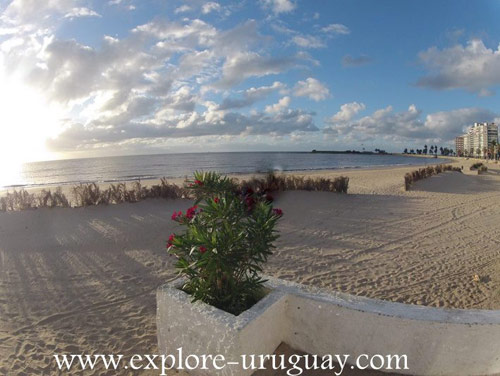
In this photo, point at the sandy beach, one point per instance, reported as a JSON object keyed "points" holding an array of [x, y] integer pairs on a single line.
{"points": [[83, 280]]}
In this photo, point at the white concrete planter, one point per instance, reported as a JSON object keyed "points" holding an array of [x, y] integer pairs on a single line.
{"points": [[436, 341]]}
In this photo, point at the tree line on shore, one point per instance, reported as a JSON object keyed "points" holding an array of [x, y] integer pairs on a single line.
{"points": [[433, 150]]}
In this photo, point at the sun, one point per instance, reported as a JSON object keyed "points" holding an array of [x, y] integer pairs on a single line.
{"points": [[27, 120]]}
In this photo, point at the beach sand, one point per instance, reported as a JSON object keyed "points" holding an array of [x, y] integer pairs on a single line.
{"points": [[83, 280]]}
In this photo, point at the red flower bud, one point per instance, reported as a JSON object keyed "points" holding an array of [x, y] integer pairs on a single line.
{"points": [[170, 240], [278, 212], [203, 249]]}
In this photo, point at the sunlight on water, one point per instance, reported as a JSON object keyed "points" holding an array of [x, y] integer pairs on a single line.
{"points": [[10, 173]]}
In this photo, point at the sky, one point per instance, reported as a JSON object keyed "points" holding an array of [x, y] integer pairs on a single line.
{"points": [[83, 78]]}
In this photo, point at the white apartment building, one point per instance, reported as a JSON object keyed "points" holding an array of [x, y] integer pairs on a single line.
{"points": [[479, 140]]}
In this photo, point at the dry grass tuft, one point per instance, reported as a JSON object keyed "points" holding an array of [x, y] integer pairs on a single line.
{"points": [[91, 194], [425, 172], [23, 200], [272, 182], [480, 167]]}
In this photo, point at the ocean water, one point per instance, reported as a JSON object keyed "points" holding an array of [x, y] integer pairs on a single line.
{"points": [[127, 168]]}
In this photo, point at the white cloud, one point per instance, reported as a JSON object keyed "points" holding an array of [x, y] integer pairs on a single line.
{"points": [[34, 11], [282, 104], [81, 12], [308, 41], [385, 124], [279, 6], [311, 88], [192, 33], [472, 67], [347, 112], [185, 125], [210, 7], [248, 64], [182, 9], [251, 96], [336, 29]]}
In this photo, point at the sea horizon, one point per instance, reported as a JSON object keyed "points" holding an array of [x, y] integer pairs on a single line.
{"points": [[176, 165]]}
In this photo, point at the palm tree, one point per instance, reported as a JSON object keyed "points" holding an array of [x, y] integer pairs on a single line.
{"points": [[493, 149]]}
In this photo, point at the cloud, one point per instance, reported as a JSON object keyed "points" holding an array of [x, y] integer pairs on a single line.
{"points": [[182, 35], [148, 84], [78, 136], [311, 88], [182, 9], [282, 104], [472, 67], [33, 11], [446, 125], [210, 7], [81, 12], [119, 2], [347, 112], [385, 124], [250, 96], [249, 64], [333, 29], [308, 41], [279, 6], [349, 61]]}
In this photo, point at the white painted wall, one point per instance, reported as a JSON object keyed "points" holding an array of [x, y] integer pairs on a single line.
{"points": [[436, 341]]}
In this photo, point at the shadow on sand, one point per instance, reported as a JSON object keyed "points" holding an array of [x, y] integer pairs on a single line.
{"points": [[452, 182]]}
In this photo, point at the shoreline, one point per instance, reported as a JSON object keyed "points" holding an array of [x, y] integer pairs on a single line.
{"points": [[179, 180], [151, 180]]}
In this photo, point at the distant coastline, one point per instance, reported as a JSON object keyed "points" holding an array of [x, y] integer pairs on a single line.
{"points": [[378, 152]]}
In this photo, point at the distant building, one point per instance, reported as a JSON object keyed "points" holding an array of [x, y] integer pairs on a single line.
{"points": [[459, 145], [480, 141]]}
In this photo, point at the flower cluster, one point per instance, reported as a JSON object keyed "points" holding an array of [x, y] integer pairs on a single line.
{"points": [[251, 198], [197, 182], [229, 234], [190, 214]]}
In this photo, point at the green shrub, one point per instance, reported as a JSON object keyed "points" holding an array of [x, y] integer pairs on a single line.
{"points": [[228, 236]]}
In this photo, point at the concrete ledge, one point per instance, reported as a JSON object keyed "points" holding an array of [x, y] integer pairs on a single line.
{"points": [[436, 341]]}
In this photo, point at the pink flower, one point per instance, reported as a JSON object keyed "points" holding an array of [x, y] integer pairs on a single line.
{"points": [[203, 249], [171, 238], [176, 215], [278, 212], [191, 212]]}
